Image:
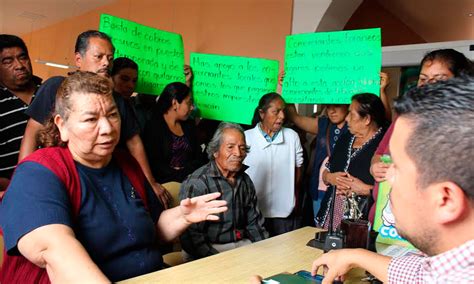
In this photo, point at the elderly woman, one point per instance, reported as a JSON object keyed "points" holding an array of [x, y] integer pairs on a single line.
{"points": [[274, 162], [348, 168], [80, 211], [170, 137]]}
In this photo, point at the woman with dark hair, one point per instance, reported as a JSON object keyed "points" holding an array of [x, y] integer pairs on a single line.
{"points": [[170, 137], [124, 75], [275, 162], [87, 212], [348, 168]]}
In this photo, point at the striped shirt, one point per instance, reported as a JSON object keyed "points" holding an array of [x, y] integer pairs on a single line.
{"points": [[12, 127], [453, 266], [242, 219]]}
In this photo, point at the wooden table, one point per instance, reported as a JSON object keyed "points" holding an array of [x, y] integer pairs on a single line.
{"points": [[287, 252]]}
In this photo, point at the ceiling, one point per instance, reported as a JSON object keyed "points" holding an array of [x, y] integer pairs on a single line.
{"points": [[24, 16], [433, 20]]}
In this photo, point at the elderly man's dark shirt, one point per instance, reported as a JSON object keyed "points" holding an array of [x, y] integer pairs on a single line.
{"points": [[242, 220]]}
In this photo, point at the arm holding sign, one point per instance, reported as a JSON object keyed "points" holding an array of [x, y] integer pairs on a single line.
{"points": [[384, 82], [188, 74], [308, 124]]}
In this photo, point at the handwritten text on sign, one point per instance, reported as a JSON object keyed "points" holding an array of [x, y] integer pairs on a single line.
{"points": [[229, 87], [159, 54], [330, 67]]}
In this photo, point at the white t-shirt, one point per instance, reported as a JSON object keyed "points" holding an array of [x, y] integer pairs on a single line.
{"points": [[272, 170]]}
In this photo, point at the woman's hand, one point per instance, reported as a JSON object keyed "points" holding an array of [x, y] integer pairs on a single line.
{"points": [[384, 81], [379, 171], [202, 208], [163, 195], [348, 184], [332, 178]]}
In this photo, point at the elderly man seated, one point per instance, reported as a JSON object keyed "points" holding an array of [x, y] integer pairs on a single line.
{"points": [[243, 222]]}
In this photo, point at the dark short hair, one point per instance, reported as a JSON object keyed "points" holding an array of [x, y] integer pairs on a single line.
{"points": [[371, 105], [216, 141], [457, 62], [173, 91], [441, 144], [264, 104], [82, 41], [9, 41], [123, 63]]}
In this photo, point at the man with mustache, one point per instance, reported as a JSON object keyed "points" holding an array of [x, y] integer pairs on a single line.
{"points": [[17, 88], [242, 223], [94, 52]]}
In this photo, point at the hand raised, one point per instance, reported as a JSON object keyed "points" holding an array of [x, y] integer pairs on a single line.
{"points": [[202, 208]]}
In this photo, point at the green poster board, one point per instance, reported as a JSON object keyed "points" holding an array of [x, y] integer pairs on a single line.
{"points": [[159, 54], [228, 88], [384, 221], [330, 67]]}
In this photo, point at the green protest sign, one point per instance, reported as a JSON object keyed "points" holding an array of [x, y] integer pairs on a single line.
{"points": [[384, 221], [330, 67], [159, 54], [229, 87]]}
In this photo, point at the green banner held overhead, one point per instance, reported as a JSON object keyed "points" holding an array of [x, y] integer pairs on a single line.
{"points": [[159, 54], [229, 87], [330, 67]]}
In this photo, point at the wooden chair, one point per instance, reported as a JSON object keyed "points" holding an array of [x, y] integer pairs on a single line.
{"points": [[175, 257]]}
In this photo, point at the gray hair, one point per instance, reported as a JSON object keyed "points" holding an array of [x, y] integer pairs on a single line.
{"points": [[216, 141]]}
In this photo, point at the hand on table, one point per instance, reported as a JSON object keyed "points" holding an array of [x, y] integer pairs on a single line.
{"points": [[335, 263]]}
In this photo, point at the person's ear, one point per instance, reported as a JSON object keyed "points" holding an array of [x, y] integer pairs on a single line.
{"points": [[63, 131], [174, 104], [449, 201], [261, 113], [367, 119], [78, 59]]}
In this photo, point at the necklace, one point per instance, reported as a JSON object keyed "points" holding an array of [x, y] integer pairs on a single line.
{"points": [[351, 208], [352, 154]]}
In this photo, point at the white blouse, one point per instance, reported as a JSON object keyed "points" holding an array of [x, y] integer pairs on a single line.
{"points": [[272, 170]]}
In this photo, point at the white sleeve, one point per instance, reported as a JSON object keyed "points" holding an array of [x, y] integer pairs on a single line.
{"points": [[298, 152]]}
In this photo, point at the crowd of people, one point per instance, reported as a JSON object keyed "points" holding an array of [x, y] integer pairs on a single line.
{"points": [[83, 160]]}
